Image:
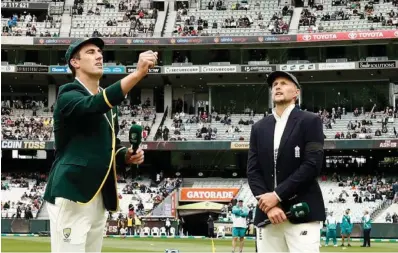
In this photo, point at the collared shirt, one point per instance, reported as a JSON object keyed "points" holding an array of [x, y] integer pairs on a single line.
{"points": [[280, 125], [89, 91], [279, 129]]}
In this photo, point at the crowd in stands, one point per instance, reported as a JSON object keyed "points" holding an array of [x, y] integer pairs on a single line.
{"points": [[157, 194], [348, 10], [277, 25], [26, 24], [392, 218], [362, 128], [21, 121], [128, 16], [187, 24], [365, 188], [28, 205]]}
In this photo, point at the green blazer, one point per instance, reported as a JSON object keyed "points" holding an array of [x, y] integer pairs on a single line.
{"points": [[86, 146]]}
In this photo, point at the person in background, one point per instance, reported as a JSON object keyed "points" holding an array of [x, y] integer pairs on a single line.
{"points": [[331, 225], [346, 228], [239, 225], [210, 227], [367, 226]]}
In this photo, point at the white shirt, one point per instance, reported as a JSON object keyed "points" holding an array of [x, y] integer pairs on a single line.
{"points": [[279, 129], [331, 220], [89, 91], [280, 125]]}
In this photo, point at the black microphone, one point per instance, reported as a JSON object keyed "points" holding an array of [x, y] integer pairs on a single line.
{"points": [[296, 211], [135, 138]]}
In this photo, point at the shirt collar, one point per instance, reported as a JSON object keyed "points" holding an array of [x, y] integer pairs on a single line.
{"points": [[285, 114], [89, 91]]}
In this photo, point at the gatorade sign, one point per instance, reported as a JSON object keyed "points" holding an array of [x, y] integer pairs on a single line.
{"points": [[208, 194]]}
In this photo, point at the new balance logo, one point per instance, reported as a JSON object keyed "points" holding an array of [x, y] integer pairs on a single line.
{"points": [[303, 233]]}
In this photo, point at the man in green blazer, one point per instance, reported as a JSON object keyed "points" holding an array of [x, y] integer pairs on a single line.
{"points": [[82, 184]]}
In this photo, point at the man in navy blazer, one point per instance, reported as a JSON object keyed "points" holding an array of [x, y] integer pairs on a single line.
{"points": [[285, 158]]}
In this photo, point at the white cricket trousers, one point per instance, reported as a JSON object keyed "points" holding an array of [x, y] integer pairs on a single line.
{"points": [[288, 237], [77, 227]]}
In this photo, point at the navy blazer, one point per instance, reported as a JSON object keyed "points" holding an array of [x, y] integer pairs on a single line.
{"points": [[299, 163]]}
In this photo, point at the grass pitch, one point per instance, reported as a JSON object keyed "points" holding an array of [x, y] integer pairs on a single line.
{"points": [[42, 244]]}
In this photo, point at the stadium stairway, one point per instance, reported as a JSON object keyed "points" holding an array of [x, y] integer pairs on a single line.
{"points": [[66, 25], [294, 22], [170, 22], [161, 20], [381, 217], [155, 126], [43, 213]]}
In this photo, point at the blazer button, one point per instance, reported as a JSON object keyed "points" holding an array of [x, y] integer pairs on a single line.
{"points": [[272, 175]]}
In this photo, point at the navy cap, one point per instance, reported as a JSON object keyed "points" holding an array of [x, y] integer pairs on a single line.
{"points": [[75, 46], [271, 78]]}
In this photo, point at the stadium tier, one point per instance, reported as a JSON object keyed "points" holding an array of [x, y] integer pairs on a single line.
{"points": [[197, 108], [141, 18]]}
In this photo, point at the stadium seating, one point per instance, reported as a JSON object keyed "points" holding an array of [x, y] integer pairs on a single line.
{"points": [[353, 17], [15, 122], [110, 19], [20, 193], [333, 194], [229, 20], [188, 128], [389, 212]]}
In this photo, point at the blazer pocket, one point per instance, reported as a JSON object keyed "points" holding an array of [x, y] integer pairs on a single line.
{"points": [[75, 160]]}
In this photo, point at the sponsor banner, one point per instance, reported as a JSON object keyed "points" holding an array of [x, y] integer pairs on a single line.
{"points": [[254, 68], [219, 69], [298, 67], [177, 41], [12, 144], [23, 5], [377, 64], [278, 38], [203, 145], [106, 69], [336, 65], [111, 227], [32, 69], [155, 70], [114, 69], [208, 194], [388, 144], [336, 36], [7, 68], [228, 228], [240, 145], [59, 69], [182, 70]]}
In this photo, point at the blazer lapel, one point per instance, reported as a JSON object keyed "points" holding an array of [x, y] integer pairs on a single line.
{"points": [[269, 138], [108, 115], [291, 122]]}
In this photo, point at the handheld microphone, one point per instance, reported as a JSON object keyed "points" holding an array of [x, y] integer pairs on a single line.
{"points": [[299, 210], [135, 137]]}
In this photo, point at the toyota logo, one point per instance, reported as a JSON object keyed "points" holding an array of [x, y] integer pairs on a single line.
{"points": [[352, 36], [307, 37], [396, 34]]}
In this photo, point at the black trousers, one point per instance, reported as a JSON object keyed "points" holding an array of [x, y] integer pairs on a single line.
{"points": [[210, 232], [366, 237]]}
